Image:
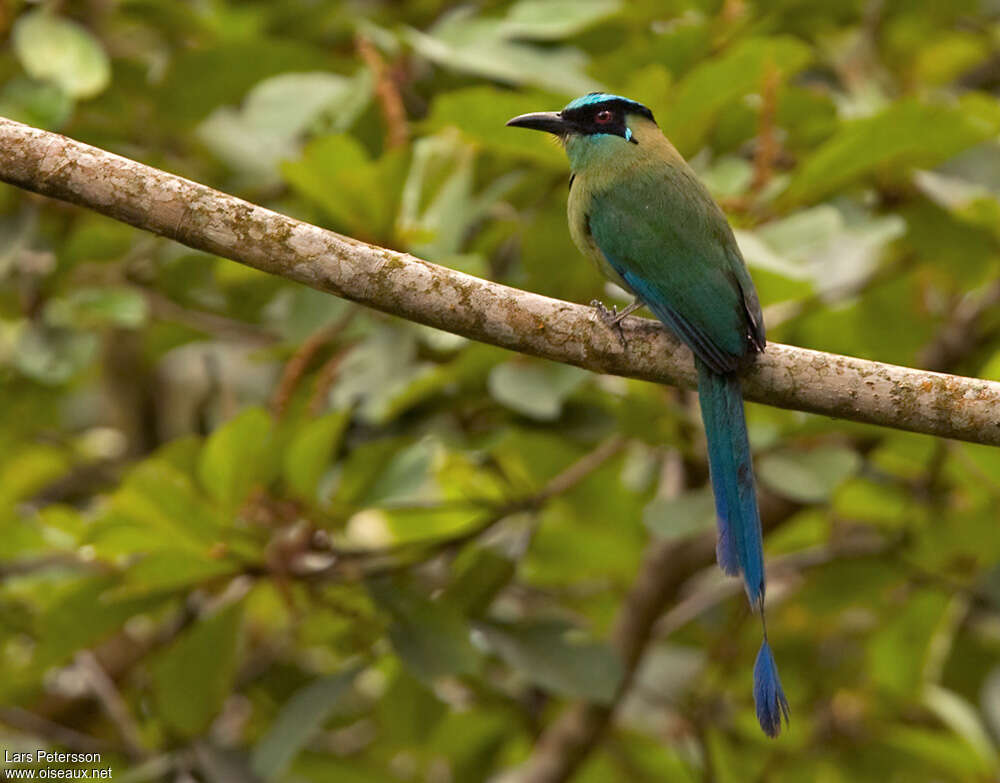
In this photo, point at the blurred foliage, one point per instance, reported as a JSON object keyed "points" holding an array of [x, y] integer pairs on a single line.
{"points": [[310, 542]]}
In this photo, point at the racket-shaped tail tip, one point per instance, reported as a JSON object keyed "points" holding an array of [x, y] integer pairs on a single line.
{"points": [[768, 695]]}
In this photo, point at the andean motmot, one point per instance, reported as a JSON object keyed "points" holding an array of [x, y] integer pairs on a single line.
{"points": [[638, 210]]}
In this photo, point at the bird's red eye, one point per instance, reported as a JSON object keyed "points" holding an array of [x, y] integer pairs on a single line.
{"points": [[603, 117]]}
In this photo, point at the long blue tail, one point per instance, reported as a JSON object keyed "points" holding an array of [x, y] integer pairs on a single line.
{"points": [[740, 548]]}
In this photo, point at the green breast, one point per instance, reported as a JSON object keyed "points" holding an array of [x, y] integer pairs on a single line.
{"points": [[578, 209]]}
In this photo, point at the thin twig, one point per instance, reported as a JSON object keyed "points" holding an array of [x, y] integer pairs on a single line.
{"points": [[963, 333], [358, 563], [36, 725], [166, 309], [296, 367], [25, 566], [325, 379], [767, 150], [117, 656], [391, 102], [666, 566], [778, 569], [106, 692], [579, 470]]}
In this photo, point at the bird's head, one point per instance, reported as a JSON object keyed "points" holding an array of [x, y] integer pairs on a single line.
{"points": [[596, 128]]}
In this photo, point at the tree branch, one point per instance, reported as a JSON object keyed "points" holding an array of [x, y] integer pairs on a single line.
{"points": [[397, 283], [666, 567], [340, 564], [29, 723]]}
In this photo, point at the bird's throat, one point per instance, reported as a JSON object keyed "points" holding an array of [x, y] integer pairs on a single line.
{"points": [[598, 151]]}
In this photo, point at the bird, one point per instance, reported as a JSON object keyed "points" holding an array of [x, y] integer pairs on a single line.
{"points": [[638, 210]]}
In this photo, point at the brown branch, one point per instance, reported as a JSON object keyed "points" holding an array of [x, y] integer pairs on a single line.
{"points": [[166, 309], [117, 657], [393, 110], [111, 701], [30, 723], [397, 283], [767, 138], [666, 567], [579, 470], [339, 565], [779, 571], [57, 560], [296, 367], [325, 379], [963, 333]]}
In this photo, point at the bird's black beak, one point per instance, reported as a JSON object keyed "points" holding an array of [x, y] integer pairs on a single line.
{"points": [[548, 121]]}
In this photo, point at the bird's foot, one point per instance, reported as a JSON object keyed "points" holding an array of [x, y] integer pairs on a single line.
{"points": [[612, 318]]}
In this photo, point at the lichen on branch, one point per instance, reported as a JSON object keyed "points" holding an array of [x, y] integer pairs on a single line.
{"points": [[397, 283]]}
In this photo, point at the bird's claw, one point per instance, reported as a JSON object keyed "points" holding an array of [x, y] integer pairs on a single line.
{"points": [[611, 318]]}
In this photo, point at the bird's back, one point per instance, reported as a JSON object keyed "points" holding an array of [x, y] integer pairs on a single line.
{"points": [[653, 227]]}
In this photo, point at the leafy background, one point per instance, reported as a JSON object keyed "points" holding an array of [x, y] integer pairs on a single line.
{"points": [[250, 532]]}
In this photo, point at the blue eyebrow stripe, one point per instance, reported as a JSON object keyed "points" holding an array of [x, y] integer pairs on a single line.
{"points": [[594, 97], [597, 97], [627, 105]]}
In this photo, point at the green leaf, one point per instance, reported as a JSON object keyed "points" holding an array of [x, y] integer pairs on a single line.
{"points": [[898, 654], [431, 637], [276, 114], [41, 104], [938, 752], [808, 476], [53, 356], [226, 71], [308, 455], [492, 48], [875, 502], [375, 371], [534, 387], [545, 654], [964, 719], [170, 570], [359, 194], [237, 457], [62, 52], [909, 133], [720, 81], [89, 308], [837, 248], [691, 512], [480, 114], [406, 476], [409, 711], [29, 469], [299, 312], [361, 468], [84, 615], [481, 573], [97, 239], [990, 695], [431, 382], [298, 721], [160, 502], [439, 205], [21, 538], [193, 677], [553, 20]]}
